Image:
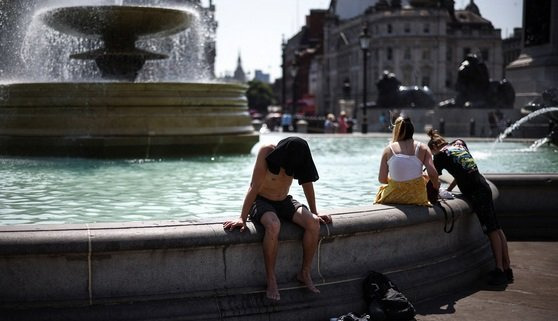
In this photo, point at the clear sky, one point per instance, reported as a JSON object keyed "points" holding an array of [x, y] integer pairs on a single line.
{"points": [[254, 28]]}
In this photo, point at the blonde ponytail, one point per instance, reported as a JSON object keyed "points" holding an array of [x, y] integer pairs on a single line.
{"points": [[403, 129]]}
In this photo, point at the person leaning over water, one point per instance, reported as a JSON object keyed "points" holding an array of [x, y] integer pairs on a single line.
{"points": [[268, 201], [401, 168], [457, 160]]}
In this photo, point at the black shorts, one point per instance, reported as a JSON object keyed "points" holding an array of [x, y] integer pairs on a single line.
{"points": [[284, 209], [483, 205]]}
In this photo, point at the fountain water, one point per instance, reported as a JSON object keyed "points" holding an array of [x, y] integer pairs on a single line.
{"points": [[119, 27], [538, 143], [528, 117], [67, 106]]}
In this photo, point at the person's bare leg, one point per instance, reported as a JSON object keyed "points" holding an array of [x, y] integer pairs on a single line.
{"points": [[272, 225], [505, 253], [496, 244], [311, 225]]}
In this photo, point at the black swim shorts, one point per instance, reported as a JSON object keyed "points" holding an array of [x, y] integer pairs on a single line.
{"points": [[284, 209], [483, 205]]}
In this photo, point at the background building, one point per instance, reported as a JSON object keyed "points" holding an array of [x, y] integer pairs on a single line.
{"points": [[239, 74], [511, 47], [302, 65], [261, 76], [536, 69], [422, 42]]}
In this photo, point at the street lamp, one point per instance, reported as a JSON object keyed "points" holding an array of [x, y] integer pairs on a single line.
{"points": [[364, 40]]}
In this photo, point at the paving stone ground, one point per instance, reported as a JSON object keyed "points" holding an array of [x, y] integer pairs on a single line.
{"points": [[532, 297]]}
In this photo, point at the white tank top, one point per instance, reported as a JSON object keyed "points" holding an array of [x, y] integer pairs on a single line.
{"points": [[404, 167]]}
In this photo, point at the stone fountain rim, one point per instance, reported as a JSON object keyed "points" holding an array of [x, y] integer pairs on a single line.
{"points": [[166, 84]]}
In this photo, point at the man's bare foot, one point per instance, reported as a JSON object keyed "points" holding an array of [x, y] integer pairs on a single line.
{"points": [[306, 279], [272, 293]]}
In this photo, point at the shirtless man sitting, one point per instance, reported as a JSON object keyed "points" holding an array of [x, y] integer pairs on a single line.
{"points": [[268, 200]]}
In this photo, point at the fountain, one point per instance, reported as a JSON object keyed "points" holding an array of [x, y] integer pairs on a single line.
{"points": [[177, 268], [529, 116], [118, 116], [119, 27], [174, 269]]}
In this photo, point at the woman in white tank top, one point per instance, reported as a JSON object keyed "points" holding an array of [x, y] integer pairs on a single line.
{"points": [[401, 168]]}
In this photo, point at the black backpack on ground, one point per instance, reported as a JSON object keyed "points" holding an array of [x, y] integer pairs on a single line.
{"points": [[385, 301]]}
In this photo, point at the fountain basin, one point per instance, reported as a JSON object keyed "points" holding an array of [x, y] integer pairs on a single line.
{"points": [[134, 21], [124, 119], [119, 27], [177, 271]]}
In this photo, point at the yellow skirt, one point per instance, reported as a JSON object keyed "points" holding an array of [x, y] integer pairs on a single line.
{"points": [[408, 192]]}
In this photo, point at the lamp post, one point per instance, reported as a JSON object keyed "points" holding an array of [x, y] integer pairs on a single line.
{"points": [[364, 40]]}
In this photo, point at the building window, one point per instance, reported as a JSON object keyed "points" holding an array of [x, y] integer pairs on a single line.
{"points": [[407, 74], [426, 54], [389, 53], [389, 28], [426, 28], [407, 27], [407, 54], [484, 54], [449, 54]]}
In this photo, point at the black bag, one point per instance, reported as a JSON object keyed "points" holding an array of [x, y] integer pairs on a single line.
{"points": [[397, 306], [375, 286], [385, 300]]}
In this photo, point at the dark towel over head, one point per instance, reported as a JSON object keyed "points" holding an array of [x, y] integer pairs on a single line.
{"points": [[293, 154]]}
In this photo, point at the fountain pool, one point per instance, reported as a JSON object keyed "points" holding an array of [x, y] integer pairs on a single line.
{"points": [[211, 188]]}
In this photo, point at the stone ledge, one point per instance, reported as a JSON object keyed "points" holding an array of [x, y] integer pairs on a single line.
{"points": [[185, 271]]}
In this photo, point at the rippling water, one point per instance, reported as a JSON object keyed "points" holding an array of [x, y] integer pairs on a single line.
{"points": [[56, 190]]}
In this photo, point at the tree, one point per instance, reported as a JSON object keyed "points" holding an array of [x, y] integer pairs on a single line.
{"points": [[259, 96]]}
